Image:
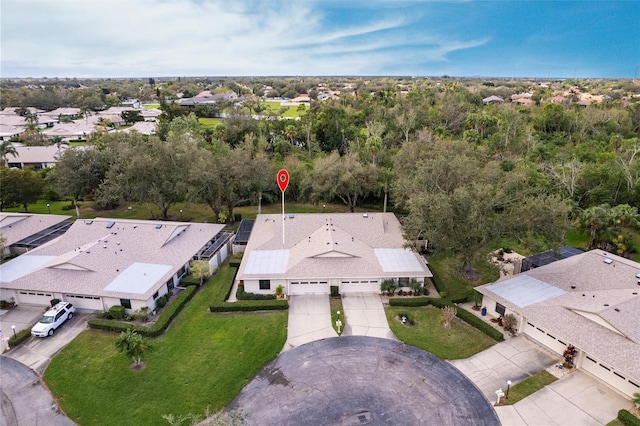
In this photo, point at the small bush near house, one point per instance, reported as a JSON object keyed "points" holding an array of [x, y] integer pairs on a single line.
{"points": [[242, 295], [54, 302], [161, 302], [628, 419], [116, 312], [19, 337], [335, 291], [235, 260], [510, 323]]}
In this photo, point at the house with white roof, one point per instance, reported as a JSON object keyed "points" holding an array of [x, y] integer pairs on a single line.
{"points": [[35, 157], [352, 251], [25, 231], [591, 301], [102, 262]]}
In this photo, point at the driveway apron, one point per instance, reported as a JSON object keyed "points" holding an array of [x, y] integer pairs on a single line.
{"points": [[309, 320], [364, 316]]}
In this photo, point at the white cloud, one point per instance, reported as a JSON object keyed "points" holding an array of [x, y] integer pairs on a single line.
{"points": [[206, 37]]}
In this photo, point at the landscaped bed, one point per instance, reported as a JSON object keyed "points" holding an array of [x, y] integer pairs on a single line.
{"points": [[203, 360], [427, 333]]}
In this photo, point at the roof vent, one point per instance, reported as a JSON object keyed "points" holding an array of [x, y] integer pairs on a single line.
{"points": [[291, 216], [88, 222], [573, 287], [365, 215], [608, 260], [158, 226], [616, 309], [638, 276], [110, 225], [606, 304]]}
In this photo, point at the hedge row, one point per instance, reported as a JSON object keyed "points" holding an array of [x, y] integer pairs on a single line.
{"points": [[161, 324], [628, 419], [250, 306], [19, 337], [464, 315], [243, 295]]}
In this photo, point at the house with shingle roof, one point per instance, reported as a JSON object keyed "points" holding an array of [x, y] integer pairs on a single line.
{"points": [[22, 231], [103, 262], [493, 99], [352, 251], [35, 157], [591, 301]]}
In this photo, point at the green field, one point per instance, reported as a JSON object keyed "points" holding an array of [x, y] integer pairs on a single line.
{"points": [[528, 387], [291, 111], [210, 123], [203, 360], [151, 106], [459, 341]]}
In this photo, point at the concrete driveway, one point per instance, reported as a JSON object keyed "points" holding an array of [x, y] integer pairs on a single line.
{"points": [[514, 359], [575, 399], [22, 317], [364, 316], [309, 320], [37, 352]]}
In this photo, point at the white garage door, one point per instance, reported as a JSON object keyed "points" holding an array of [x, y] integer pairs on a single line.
{"points": [[609, 375], [545, 338], [34, 298], [359, 286], [85, 302], [308, 287]]}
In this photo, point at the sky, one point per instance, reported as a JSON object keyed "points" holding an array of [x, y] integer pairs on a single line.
{"points": [[161, 38]]}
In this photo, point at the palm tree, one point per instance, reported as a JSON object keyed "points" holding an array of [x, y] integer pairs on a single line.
{"points": [[133, 344], [636, 399], [596, 218], [58, 142], [7, 148]]}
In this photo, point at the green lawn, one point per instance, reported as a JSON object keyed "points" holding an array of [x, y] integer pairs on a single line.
{"points": [[210, 123], [459, 341], [151, 106], [202, 361], [447, 274], [291, 111], [528, 387]]}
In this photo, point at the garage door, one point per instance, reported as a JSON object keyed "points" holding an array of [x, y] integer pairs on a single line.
{"points": [[359, 286], [85, 302], [34, 298], [545, 338], [609, 375], [308, 287]]}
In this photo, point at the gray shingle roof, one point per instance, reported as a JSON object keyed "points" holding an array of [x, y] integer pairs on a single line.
{"points": [[90, 256], [599, 311], [17, 226], [338, 245]]}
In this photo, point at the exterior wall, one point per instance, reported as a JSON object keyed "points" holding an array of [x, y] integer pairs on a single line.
{"points": [[545, 338], [606, 373], [222, 254], [253, 286]]}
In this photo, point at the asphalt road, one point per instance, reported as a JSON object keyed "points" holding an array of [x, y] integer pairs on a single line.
{"points": [[358, 380]]}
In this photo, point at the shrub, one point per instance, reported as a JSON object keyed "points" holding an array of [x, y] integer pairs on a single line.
{"points": [[418, 301], [19, 337], [251, 306], [54, 302], [242, 295], [235, 260], [510, 323], [188, 280], [628, 419], [478, 323], [161, 302], [442, 294], [116, 311], [161, 324], [237, 217], [335, 291]]}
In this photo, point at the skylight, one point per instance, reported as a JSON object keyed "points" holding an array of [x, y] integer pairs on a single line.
{"points": [[523, 290]]}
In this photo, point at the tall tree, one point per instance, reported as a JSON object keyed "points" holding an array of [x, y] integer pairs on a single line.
{"points": [[6, 149], [133, 344], [20, 187]]}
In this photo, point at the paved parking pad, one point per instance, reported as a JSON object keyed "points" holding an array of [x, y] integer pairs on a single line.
{"points": [[359, 380], [309, 320], [364, 316]]}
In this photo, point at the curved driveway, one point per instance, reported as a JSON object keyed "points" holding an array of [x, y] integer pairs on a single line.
{"points": [[359, 380]]}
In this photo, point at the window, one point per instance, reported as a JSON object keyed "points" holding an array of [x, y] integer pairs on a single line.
{"points": [[155, 295], [170, 284], [500, 309], [126, 303], [265, 284]]}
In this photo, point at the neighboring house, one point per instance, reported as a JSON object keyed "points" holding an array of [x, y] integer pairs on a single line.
{"points": [[76, 130], [303, 98], [150, 114], [524, 101], [26, 231], [142, 127], [65, 112], [589, 300], [35, 157], [7, 131], [206, 98], [558, 99], [541, 259], [102, 262], [352, 251], [493, 99], [12, 110]]}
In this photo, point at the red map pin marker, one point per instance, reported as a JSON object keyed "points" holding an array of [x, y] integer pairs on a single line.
{"points": [[283, 179]]}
